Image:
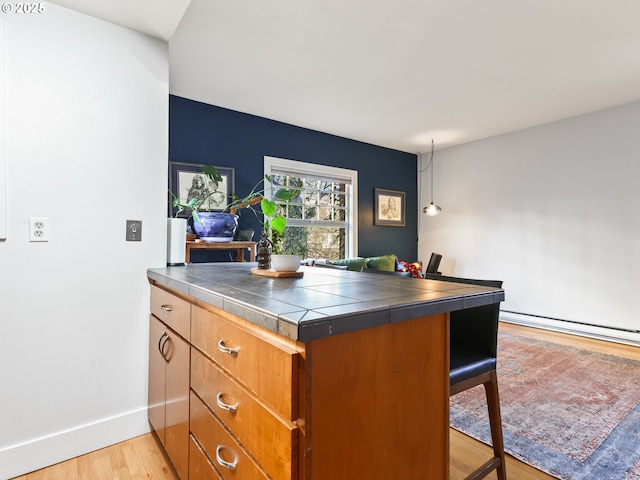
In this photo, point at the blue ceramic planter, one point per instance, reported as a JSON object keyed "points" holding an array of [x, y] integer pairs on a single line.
{"points": [[216, 226]]}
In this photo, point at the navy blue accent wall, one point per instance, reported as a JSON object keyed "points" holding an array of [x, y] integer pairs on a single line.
{"points": [[206, 134]]}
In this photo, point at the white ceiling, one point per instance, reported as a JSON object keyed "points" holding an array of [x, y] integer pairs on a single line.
{"points": [[396, 72]]}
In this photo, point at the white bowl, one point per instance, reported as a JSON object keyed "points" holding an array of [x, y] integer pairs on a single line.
{"points": [[285, 263]]}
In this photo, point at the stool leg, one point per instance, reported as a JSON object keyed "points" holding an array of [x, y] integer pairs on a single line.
{"points": [[495, 422]]}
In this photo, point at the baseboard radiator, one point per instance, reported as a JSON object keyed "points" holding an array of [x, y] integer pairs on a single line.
{"points": [[611, 334]]}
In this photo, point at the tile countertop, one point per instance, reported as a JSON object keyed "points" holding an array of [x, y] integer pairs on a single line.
{"points": [[323, 302]]}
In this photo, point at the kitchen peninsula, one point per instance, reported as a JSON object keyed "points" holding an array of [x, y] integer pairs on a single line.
{"points": [[334, 375]]}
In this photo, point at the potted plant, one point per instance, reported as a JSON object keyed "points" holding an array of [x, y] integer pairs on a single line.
{"points": [[210, 226], [274, 224], [226, 222]]}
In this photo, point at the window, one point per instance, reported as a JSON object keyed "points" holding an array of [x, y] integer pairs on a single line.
{"points": [[322, 217]]}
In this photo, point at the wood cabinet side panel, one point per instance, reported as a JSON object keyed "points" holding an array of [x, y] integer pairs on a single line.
{"points": [[377, 402]]}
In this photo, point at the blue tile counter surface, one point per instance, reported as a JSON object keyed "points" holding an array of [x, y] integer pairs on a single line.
{"points": [[323, 302]]}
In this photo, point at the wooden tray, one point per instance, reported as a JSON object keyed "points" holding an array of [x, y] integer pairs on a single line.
{"points": [[274, 274]]}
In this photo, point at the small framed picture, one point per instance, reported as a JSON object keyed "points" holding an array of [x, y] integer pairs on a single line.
{"points": [[186, 181], [389, 208]]}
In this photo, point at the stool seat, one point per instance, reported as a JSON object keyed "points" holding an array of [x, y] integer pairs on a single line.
{"points": [[466, 364]]}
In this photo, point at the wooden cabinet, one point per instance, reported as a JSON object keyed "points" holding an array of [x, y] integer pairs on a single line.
{"points": [[200, 467], [157, 377], [222, 448], [243, 403], [372, 403], [377, 403], [169, 358], [173, 311], [263, 366]]}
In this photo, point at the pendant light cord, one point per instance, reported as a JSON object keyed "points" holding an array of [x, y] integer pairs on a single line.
{"points": [[427, 167], [431, 163]]}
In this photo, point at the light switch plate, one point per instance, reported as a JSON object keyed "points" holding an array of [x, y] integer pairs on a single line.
{"points": [[134, 230]]}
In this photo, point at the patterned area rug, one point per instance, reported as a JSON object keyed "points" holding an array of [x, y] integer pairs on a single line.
{"points": [[572, 413]]}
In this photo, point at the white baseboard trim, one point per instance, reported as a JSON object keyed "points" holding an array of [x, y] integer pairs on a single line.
{"points": [[574, 328], [38, 453]]}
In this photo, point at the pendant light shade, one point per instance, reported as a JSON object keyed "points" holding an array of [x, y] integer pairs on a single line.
{"points": [[432, 209]]}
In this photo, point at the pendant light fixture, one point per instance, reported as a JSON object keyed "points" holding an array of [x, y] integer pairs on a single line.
{"points": [[431, 209]]}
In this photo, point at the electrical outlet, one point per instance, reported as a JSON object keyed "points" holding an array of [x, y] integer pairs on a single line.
{"points": [[38, 229], [134, 230]]}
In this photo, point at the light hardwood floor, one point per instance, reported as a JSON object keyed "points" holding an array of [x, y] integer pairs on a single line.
{"points": [[141, 457], [136, 459]]}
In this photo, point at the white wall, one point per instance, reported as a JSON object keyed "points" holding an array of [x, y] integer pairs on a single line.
{"points": [[87, 138], [551, 210], [3, 152]]}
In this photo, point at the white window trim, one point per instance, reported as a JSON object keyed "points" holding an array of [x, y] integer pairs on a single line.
{"points": [[304, 168]]}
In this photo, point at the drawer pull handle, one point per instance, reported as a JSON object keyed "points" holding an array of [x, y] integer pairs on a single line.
{"points": [[166, 308], [224, 349], [164, 334], [166, 352], [164, 338], [222, 463], [225, 406]]}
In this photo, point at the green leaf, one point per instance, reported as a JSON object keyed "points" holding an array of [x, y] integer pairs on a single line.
{"points": [[212, 172], [283, 195], [269, 208], [279, 223]]}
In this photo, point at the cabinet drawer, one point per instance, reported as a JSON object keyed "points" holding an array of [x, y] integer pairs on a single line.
{"points": [[220, 447], [199, 466], [172, 310], [266, 368], [273, 442]]}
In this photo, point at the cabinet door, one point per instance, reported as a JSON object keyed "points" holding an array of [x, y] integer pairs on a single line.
{"points": [[177, 353], [157, 368]]}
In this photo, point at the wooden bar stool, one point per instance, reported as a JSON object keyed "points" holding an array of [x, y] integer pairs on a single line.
{"points": [[473, 347]]}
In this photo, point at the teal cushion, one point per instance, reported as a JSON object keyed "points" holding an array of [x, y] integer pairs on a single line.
{"points": [[353, 264], [384, 262]]}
